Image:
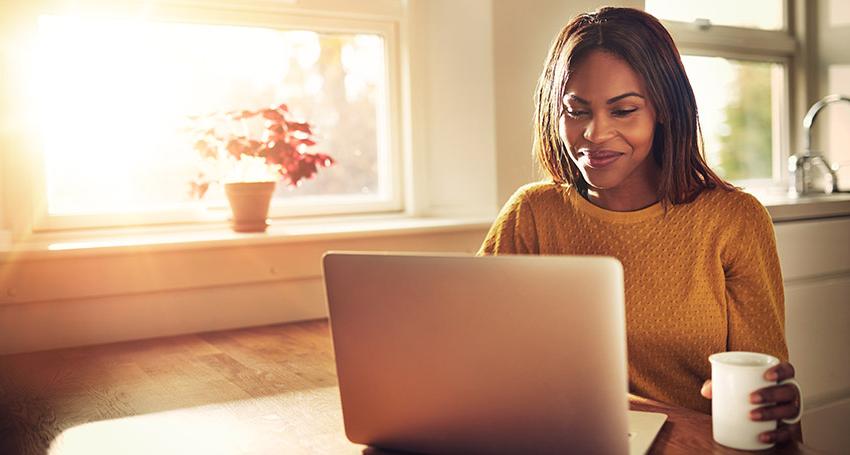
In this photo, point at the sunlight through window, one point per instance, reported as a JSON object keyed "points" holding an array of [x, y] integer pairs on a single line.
{"points": [[115, 96]]}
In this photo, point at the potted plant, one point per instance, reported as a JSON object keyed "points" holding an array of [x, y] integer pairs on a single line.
{"points": [[249, 165]]}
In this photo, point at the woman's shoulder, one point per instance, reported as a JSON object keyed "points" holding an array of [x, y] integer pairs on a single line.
{"points": [[541, 192], [731, 204]]}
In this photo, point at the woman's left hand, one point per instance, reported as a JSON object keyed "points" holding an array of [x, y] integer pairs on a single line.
{"points": [[784, 404]]}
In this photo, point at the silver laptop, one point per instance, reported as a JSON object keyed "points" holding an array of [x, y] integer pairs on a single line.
{"points": [[504, 354]]}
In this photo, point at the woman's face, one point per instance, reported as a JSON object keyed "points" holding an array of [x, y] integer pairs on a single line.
{"points": [[608, 124]]}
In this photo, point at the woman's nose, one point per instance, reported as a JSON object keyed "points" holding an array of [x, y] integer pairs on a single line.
{"points": [[598, 129]]}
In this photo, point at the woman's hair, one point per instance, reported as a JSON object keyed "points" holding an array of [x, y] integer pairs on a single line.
{"points": [[642, 42]]}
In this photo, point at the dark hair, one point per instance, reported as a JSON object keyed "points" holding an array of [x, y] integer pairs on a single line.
{"points": [[642, 42]]}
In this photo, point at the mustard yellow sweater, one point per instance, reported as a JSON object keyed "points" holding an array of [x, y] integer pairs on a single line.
{"points": [[701, 278]]}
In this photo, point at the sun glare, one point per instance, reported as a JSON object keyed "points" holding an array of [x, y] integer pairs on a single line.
{"points": [[114, 97], [112, 92]]}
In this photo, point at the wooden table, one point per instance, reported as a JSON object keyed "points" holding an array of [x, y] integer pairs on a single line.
{"points": [[253, 391]]}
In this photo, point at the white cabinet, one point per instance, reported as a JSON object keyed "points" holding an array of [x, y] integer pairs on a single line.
{"points": [[818, 332], [813, 248], [815, 257]]}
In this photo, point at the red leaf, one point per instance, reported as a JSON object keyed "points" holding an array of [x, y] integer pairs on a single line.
{"points": [[277, 129], [272, 115], [254, 146], [198, 189], [235, 147], [299, 126]]}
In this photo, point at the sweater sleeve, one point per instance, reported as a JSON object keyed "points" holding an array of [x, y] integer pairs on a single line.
{"points": [[754, 289], [514, 231]]}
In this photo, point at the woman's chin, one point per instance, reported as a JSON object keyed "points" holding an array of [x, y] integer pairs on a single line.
{"points": [[601, 183]]}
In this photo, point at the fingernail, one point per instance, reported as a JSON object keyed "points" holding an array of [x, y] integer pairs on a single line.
{"points": [[756, 398], [772, 376], [755, 415], [765, 438]]}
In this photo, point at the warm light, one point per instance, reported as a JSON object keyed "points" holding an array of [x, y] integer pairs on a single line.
{"points": [[245, 426], [114, 96], [356, 60], [114, 93]]}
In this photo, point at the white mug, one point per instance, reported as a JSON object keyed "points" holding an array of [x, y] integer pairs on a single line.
{"points": [[734, 376]]}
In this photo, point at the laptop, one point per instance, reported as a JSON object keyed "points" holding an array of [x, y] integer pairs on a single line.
{"points": [[498, 354]]}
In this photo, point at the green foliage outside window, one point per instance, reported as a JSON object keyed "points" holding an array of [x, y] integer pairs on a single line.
{"points": [[746, 146]]}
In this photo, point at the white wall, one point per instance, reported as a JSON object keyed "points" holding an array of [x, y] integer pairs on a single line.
{"points": [[460, 123], [80, 299]]}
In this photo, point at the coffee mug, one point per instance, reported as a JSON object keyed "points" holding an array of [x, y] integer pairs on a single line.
{"points": [[734, 376]]}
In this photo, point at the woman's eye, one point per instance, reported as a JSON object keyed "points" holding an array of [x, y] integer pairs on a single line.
{"points": [[623, 112], [576, 114]]}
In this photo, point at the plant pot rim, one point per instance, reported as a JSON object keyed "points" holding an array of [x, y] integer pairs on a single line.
{"points": [[260, 183]]}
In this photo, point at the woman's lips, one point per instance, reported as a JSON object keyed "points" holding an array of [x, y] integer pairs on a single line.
{"points": [[599, 159]]}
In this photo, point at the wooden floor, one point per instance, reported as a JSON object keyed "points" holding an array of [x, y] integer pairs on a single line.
{"points": [[43, 394]]}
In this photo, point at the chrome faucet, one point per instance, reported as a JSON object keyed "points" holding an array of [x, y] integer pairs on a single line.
{"points": [[801, 165]]}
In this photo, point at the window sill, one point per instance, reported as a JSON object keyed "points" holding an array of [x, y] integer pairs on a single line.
{"points": [[171, 238]]}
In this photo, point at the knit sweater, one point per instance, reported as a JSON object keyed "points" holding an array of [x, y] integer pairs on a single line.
{"points": [[700, 278]]}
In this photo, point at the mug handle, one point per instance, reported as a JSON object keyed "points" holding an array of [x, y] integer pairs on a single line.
{"points": [[796, 419]]}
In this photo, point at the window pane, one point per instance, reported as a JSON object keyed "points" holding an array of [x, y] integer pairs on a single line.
{"points": [[115, 97], [764, 14], [736, 101]]}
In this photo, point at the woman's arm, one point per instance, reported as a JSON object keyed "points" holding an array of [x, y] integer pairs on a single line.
{"points": [[754, 291], [756, 313]]}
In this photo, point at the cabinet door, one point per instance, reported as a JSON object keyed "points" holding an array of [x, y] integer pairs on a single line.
{"points": [[814, 248], [818, 333]]}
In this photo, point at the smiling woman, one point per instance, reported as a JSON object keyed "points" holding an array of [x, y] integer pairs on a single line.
{"points": [[617, 133]]}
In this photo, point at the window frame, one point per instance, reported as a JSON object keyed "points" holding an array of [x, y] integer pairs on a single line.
{"points": [[27, 171], [750, 44]]}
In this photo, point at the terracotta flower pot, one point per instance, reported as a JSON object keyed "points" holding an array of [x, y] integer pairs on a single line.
{"points": [[249, 202]]}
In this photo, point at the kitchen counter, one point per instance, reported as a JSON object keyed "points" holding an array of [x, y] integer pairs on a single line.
{"points": [[784, 207]]}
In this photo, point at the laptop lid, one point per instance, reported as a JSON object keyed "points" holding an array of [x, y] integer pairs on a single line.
{"points": [[461, 354]]}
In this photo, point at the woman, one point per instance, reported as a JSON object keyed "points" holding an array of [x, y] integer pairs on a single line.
{"points": [[616, 129]]}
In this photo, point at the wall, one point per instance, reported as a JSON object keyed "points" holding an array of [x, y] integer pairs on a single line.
{"points": [[459, 100], [78, 299]]}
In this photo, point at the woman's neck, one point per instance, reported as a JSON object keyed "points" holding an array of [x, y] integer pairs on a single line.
{"points": [[607, 199], [628, 196]]}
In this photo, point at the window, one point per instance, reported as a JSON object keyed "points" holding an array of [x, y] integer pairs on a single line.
{"points": [[762, 14], [738, 57], [115, 95], [736, 100]]}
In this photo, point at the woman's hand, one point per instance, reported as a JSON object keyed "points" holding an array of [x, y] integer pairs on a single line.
{"points": [[784, 404]]}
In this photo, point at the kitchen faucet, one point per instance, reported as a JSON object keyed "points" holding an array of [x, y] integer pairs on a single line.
{"points": [[801, 165]]}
